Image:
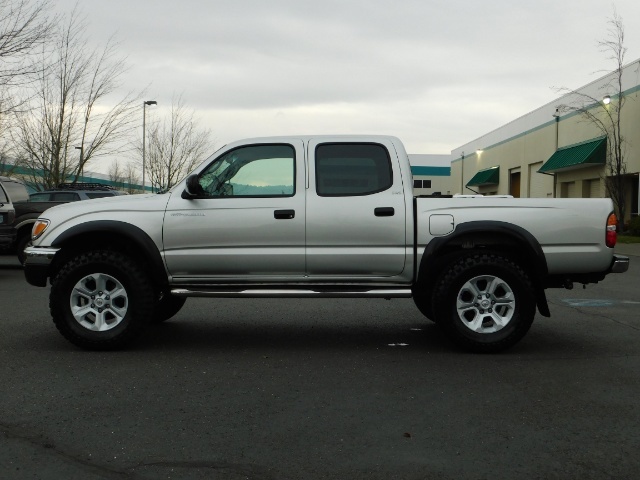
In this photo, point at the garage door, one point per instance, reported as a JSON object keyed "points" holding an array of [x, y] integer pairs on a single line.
{"points": [[568, 190], [594, 188], [540, 186]]}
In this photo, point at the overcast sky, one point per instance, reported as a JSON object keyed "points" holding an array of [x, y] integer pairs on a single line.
{"points": [[435, 73]]}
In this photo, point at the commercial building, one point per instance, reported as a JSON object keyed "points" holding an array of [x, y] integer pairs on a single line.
{"points": [[431, 174], [555, 150]]}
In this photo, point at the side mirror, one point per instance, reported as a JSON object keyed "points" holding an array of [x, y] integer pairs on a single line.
{"points": [[192, 189]]}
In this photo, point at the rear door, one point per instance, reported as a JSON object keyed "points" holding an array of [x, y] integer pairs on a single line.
{"points": [[356, 212]]}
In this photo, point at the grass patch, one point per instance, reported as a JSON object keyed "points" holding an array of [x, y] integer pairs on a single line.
{"points": [[628, 239]]}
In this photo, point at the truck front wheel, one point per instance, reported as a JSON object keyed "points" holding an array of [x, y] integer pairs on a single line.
{"points": [[484, 302], [101, 300]]}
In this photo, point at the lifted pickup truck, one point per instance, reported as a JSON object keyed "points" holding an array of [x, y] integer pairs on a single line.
{"points": [[326, 216]]}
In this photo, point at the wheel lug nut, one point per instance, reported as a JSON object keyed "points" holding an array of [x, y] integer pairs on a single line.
{"points": [[479, 297], [93, 305], [490, 310], [99, 310], [481, 311], [108, 297]]}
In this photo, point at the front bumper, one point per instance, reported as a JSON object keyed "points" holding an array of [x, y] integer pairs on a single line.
{"points": [[620, 264], [37, 263]]}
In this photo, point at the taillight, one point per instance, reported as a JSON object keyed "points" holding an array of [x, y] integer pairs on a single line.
{"points": [[611, 236]]}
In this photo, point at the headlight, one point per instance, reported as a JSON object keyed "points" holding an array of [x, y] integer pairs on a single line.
{"points": [[38, 228]]}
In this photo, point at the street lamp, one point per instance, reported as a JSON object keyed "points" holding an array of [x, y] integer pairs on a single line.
{"points": [[81, 148], [144, 137]]}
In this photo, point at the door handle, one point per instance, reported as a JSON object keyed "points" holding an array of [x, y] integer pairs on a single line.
{"points": [[284, 214], [384, 212]]}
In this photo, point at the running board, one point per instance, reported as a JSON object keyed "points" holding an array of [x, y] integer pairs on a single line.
{"points": [[294, 293]]}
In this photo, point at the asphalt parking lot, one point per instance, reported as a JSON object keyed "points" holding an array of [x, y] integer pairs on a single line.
{"points": [[339, 389]]}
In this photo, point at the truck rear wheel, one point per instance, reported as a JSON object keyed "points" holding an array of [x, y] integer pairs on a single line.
{"points": [[484, 302], [101, 300]]}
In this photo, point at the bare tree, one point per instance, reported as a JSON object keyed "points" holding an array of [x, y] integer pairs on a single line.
{"points": [[73, 118], [24, 26], [132, 179], [117, 175], [175, 146], [606, 114]]}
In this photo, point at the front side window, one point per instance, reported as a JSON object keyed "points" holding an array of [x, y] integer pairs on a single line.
{"points": [[351, 169], [251, 171], [39, 197]]}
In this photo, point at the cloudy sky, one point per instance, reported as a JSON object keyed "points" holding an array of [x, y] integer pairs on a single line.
{"points": [[435, 73]]}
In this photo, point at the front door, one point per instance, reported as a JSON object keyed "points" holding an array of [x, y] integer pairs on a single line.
{"points": [[248, 221]]}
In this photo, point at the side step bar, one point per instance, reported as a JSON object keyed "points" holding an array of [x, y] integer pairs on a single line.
{"points": [[294, 293]]}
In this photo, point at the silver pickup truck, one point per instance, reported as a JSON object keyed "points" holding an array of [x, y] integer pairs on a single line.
{"points": [[314, 217]]}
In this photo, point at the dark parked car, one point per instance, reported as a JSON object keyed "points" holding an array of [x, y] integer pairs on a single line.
{"points": [[29, 207], [69, 192], [7, 215]]}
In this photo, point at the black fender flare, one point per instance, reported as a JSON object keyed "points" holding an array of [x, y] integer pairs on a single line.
{"points": [[133, 235], [531, 250]]}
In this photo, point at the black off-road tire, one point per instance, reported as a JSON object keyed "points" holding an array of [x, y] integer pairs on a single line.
{"points": [[133, 296], [473, 322], [167, 307], [22, 242], [423, 304]]}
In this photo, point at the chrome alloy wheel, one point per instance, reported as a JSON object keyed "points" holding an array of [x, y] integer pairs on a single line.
{"points": [[99, 302], [485, 304]]}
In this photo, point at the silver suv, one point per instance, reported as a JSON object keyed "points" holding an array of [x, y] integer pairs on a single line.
{"points": [[73, 192], [7, 215]]}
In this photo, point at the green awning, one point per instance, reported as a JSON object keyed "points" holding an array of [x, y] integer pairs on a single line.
{"points": [[489, 176], [580, 155]]}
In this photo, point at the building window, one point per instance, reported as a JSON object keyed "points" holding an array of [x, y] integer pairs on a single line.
{"points": [[422, 184]]}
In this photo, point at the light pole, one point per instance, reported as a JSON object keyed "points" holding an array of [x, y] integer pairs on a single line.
{"points": [[144, 138], [81, 148]]}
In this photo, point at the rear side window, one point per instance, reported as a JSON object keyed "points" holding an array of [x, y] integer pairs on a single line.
{"points": [[65, 197], [352, 169], [99, 194]]}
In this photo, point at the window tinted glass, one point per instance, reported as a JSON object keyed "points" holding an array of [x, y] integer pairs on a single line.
{"points": [[39, 197], [16, 191], [253, 171], [352, 169], [99, 194], [3, 196], [65, 197]]}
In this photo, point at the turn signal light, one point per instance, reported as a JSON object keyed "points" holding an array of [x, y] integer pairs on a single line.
{"points": [[611, 236], [38, 228]]}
